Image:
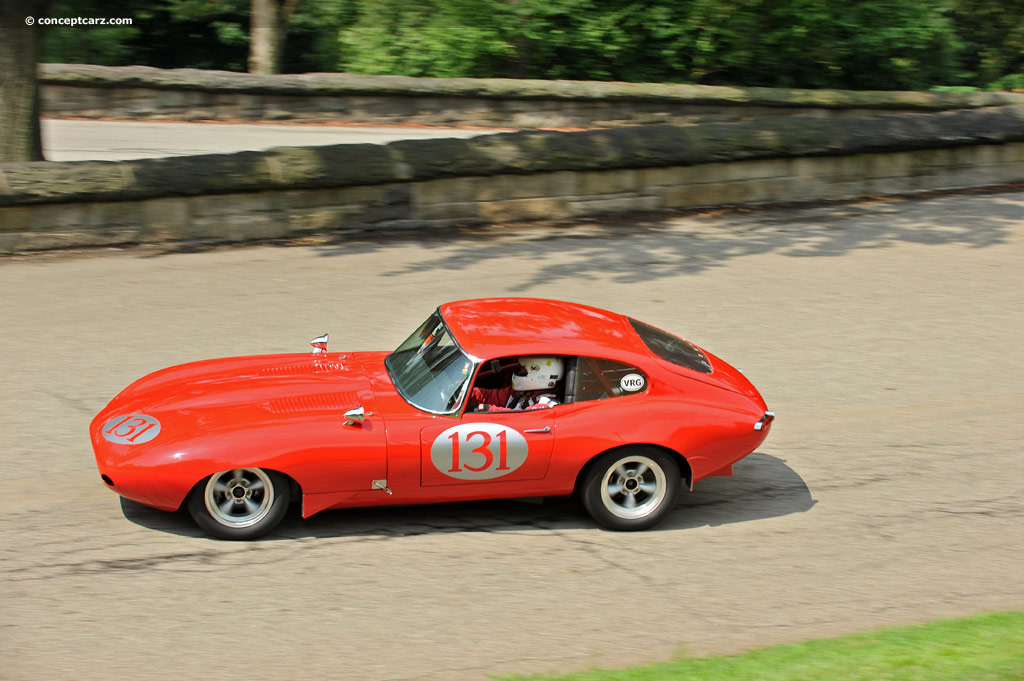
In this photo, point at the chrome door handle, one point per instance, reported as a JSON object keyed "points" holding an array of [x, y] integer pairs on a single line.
{"points": [[545, 429]]}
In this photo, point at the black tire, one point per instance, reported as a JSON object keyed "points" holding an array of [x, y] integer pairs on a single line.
{"points": [[241, 503], [631, 488]]}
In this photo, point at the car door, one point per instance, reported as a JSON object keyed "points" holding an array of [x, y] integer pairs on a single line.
{"points": [[483, 448]]}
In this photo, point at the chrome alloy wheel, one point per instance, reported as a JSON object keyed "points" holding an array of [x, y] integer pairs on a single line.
{"points": [[239, 498], [633, 487]]}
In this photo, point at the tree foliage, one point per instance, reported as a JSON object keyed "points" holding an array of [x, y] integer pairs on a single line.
{"points": [[204, 34], [993, 35], [857, 44]]}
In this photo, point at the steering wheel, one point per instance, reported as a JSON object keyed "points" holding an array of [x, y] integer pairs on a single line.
{"points": [[454, 399], [451, 388]]}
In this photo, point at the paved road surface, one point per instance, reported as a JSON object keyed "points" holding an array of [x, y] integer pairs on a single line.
{"points": [[887, 337], [75, 140]]}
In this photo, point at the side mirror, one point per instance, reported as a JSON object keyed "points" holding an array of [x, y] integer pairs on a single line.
{"points": [[357, 415], [319, 344]]}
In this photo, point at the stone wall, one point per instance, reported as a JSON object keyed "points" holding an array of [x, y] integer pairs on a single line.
{"points": [[290, 192], [139, 92]]}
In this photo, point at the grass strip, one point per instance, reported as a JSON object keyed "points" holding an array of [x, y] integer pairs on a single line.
{"points": [[979, 648]]}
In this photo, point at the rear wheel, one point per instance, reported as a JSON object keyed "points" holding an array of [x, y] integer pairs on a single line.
{"points": [[241, 503], [632, 488]]}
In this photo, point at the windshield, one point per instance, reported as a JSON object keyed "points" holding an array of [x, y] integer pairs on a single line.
{"points": [[430, 371]]}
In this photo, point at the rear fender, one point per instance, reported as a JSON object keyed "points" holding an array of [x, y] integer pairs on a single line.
{"points": [[684, 465]]}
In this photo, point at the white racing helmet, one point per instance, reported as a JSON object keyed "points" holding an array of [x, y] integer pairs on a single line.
{"points": [[538, 373]]}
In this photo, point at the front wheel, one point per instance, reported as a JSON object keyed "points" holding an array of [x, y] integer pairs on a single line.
{"points": [[242, 503], [632, 488]]}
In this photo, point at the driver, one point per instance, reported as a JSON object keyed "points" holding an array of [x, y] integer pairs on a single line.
{"points": [[530, 383]]}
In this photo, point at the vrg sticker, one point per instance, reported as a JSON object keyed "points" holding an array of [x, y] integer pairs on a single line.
{"points": [[632, 382], [478, 451], [133, 429]]}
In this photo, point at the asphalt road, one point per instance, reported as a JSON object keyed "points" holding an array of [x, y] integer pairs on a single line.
{"points": [[886, 336], [80, 140]]}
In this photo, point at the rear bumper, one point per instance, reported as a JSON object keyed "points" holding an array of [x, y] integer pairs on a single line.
{"points": [[765, 421]]}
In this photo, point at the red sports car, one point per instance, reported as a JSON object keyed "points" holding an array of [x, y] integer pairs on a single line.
{"points": [[492, 398]]}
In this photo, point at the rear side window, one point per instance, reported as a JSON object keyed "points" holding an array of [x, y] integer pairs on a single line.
{"points": [[596, 379], [671, 348]]}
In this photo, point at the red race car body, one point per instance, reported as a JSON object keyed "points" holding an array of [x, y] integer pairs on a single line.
{"points": [[637, 411]]}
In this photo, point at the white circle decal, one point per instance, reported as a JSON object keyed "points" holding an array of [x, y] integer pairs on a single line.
{"points": [[478, 451], [133, 429], [632, 382]]}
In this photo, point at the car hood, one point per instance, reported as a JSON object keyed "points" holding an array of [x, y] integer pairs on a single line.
{"points": [[239, 390]]}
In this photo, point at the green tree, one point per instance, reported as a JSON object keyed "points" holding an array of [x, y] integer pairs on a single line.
{"points": [[873, 44], [790, 43], [166, 34], [312, 42], [878, 44], [444, 38], [205, 34], [993, 36]]}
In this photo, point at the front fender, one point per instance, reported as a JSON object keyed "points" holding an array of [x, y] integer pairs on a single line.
{"points": [[321, 456]]}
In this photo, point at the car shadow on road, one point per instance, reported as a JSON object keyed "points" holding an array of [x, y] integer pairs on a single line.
{"points": [[174, 522], [762, 486]]}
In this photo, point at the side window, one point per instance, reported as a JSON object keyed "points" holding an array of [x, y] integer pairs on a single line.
{"points": [[672, 348], [597, 379]]}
